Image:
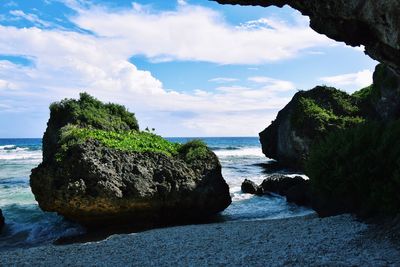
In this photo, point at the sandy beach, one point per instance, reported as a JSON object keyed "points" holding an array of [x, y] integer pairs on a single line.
{"points": [[301, 241]]}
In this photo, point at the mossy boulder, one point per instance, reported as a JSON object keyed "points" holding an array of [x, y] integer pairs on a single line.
{"points": [[111, 173], [307, 118]]}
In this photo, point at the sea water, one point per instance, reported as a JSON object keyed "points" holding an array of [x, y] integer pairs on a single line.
{"points": [[241, 158]]}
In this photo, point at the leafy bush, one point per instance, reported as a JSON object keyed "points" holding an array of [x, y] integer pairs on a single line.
{"points": [[316, 119], [89, 112], [194, 150], [122, 140], [359, 166]]}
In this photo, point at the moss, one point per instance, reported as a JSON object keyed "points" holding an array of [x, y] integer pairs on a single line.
{"points": [[359, 166], [88, 112]]}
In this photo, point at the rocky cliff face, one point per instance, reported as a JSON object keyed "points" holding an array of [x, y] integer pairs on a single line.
{"points": [[372, 23], [89, 181], [386, 101]]}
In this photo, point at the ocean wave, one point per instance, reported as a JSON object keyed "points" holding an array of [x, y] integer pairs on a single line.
{"points": [[28, 225], [243, 152], [7, 147]]}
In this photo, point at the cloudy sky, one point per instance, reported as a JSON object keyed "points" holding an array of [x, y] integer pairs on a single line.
{"points": [[186, 68]]}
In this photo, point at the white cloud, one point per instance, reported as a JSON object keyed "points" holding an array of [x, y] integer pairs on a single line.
{"points": [[30, 17], [7, 85], [223, 80], [182, 2], [273, 84], [67, 62], [350, 81], [198, 33]]}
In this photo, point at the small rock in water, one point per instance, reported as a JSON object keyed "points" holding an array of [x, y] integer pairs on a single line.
{"points": [[249, 187]]}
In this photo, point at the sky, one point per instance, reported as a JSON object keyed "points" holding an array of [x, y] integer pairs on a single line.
{"points": [[186, 67]]}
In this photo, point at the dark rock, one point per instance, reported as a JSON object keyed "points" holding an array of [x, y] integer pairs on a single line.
{"points": [[372, 23], [280, 184], [249, 187], [307, 118], [2, 221], [300, 194], [96, 185], [296, 190], [386, 93]]}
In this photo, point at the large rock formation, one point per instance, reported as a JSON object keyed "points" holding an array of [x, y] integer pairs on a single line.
{"points": [[372, 23], [309, 116], [89, 181]]}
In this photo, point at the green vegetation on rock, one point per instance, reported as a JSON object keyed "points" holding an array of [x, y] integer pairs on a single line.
{"points": [[123, 140], [114, 127], [194, 150], [358, 169]]}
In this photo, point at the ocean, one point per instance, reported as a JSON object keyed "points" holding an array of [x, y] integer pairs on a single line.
{"points": [[26, 225]]}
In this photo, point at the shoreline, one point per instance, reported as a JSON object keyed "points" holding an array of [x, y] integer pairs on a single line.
{"points": [[306, 240]]}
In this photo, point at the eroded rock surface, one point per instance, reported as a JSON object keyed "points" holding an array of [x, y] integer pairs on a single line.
{"points": [[98, 185]]}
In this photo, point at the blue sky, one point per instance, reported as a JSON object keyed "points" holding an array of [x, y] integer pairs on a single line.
{"points": [[186, 68]]}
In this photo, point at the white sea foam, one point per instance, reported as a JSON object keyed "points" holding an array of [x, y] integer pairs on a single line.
{"points": [[21, 153], [243, 152], [18, 156], [295, 174]]}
